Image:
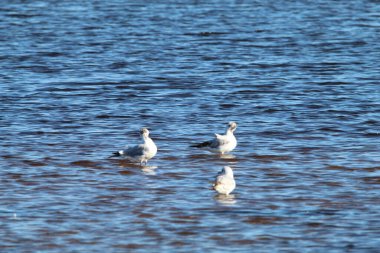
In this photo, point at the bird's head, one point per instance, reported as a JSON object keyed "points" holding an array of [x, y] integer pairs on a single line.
{"points": [[232, 126], [144, 132]]}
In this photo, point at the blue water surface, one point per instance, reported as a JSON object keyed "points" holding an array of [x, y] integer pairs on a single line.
{"points": [[80, 78]]}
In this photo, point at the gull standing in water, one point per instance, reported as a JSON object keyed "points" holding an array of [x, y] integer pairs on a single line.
{"points": [[139, 153], [225, 182], [221, 143]]}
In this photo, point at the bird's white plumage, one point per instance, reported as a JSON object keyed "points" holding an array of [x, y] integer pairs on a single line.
{"points": [[140, 153], [225, 182], [221, 143]]}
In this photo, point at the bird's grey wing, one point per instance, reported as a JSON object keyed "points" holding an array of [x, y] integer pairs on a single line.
{"points": [[134, 151], [221, 139], [214, 143], [218, 141], [206, 144]]}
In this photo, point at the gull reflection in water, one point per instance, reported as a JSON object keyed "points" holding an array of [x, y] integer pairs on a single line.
{"points": [[225, 200], [227, 156], [149, 170]]}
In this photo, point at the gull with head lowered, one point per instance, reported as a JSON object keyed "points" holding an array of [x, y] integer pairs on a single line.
{"points": [[221, 143], [139, 153], [224, 182]]}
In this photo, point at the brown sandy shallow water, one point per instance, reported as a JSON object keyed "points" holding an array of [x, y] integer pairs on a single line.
{"points": [[78, 80]]}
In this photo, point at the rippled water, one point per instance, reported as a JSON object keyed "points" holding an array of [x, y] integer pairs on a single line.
{"points": [[79, 78]]}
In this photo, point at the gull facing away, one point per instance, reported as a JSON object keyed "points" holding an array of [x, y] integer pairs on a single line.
{"points": [[224, 182], [139, 153], [221, 143]]}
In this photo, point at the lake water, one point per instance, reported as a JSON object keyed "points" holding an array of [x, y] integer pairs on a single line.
{"points": [[80, 78]]}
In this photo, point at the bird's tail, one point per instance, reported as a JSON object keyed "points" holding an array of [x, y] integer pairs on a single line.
{"points": [[201, 145], [116, 154]]}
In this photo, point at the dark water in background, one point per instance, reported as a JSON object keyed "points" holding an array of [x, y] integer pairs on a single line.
{"points": [[78, 79]]}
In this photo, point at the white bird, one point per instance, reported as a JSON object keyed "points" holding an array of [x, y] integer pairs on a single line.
{"points": [[140, 153], [221, 143], [224, 182]]}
